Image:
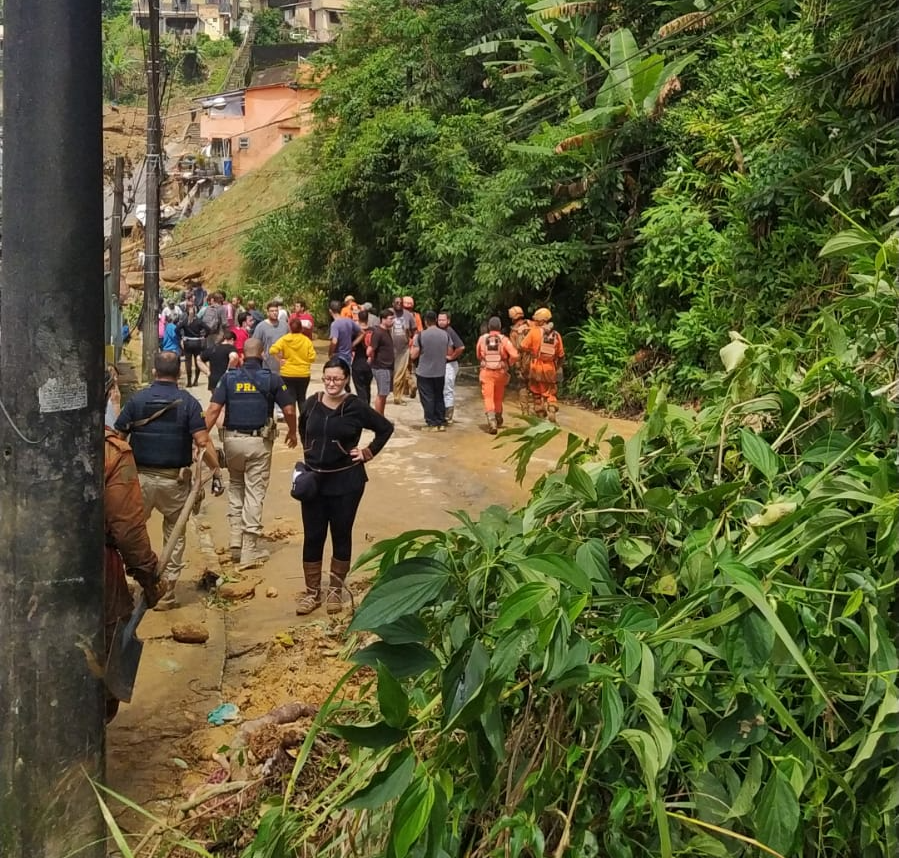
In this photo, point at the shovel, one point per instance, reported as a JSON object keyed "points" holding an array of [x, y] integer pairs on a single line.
{"points": [[124, 654]]}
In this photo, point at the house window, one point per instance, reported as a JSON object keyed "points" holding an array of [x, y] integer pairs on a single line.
{"points": [[243, 143], [333, 17], [286, 138]]}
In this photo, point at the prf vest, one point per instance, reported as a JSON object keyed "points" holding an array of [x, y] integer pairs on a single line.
{"points": [[161, 442], [249, 399]]}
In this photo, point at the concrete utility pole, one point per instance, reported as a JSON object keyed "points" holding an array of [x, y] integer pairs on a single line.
{"points": [[150, 330], [51, 439]]}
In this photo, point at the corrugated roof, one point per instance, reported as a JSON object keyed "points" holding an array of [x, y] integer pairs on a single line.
{"points": [[277, 76]]}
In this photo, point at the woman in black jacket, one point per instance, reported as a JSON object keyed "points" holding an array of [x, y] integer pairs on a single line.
{"points": [[193, 341], [331, 425]]}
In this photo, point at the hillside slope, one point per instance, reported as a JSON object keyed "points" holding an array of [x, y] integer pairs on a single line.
{"points": [[211, 241]]}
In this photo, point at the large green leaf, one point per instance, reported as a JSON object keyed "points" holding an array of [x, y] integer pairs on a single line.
{"points": [[386, 785], [392, 699], [623, 63], [758, 453], [777, 814], [380, 735], [411, 815], [560, 568], [400, 595], [402, 660], [848, 242], [521, 602], [612, 713]]}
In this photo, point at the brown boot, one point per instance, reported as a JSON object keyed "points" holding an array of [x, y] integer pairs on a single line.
{"points": [[499, 419], [312, 598], [553, 410], [339, 571], [524, 400], [491, 423]]}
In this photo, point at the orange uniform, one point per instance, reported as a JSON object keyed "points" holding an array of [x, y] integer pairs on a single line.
{"points": [[517, 334], [495, 353], [546, 352]]}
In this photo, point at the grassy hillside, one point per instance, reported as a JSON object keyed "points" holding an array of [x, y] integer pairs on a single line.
{"points": [[211, 241]]}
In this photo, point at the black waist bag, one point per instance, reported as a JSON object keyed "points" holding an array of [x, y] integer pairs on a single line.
{"points": [[304, 485]]}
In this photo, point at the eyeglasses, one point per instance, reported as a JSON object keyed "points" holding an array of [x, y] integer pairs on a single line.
{"points": [[333, 379]]}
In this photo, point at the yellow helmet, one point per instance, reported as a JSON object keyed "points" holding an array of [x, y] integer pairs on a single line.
{"points": [[542, 315], [516, 313]]}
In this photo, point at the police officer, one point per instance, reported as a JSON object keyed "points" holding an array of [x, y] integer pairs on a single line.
{"points": [[248, 394], [162, 423]]}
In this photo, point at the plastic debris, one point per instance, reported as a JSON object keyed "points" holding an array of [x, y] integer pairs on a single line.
{"points": [[222, 714]]}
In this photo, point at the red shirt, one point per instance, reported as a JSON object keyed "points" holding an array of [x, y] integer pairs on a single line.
{"points": [[241, 336], [308, 323]]}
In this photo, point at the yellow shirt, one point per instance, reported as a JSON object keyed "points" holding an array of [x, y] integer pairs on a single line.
{"points": [[298, 353]]}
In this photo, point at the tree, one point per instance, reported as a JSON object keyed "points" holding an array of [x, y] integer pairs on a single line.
{"points": [[114, 8], [269, 27]]}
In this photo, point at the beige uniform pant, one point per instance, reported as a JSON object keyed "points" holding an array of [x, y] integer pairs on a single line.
{"points": [[160, 489], [249, 468]]}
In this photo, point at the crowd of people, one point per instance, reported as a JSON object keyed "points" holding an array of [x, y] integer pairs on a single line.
{"points": [[259, 368]]}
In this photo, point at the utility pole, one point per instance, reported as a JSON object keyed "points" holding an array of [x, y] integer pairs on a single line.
{"points": [[51, 433], [150, 331], [115, 231]]}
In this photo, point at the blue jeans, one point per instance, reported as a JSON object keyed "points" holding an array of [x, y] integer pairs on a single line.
{"points": [[430, 391]]}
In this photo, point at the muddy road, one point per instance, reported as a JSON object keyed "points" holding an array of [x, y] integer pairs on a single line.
{"points": [[259, 653]]}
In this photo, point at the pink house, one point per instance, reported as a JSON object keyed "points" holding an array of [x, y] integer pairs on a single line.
{"points": [[247, 126]]}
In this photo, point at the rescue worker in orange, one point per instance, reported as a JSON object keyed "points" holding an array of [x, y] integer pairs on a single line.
{"points": [[519, 330], [127, 542], [350, 309], [544, 345], [496, 354]]}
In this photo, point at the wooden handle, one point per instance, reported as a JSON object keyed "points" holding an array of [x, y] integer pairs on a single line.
{"points": [[181, 523]]}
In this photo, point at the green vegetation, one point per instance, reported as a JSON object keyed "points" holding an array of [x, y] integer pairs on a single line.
{"points": [[188, 62], [665, 171], [684, 648], [269, 27]]}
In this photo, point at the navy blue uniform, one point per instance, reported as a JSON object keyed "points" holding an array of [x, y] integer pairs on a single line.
{"points": [[166, 441], [249, 395]]}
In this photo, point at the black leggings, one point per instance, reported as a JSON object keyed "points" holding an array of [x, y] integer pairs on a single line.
{"points": [[191, 353], [337, 512], [297, 387]]}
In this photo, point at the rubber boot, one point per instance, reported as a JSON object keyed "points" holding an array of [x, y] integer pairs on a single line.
{"points": [[312, 598], [235, 541], [251, 555], [553, 410], [339, 571], [491, 423], [449, 413], [524, 400]]}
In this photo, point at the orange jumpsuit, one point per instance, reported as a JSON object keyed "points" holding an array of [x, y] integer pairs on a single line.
{"points": [[494, 375], [520, 373], [127, 542], [546, 351]]}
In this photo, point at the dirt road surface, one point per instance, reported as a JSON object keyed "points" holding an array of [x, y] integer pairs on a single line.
{"points": [[160, 746]]}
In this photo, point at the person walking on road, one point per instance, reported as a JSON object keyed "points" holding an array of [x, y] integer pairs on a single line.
{"points": [[248, 395], [268, 332], [404, 329], [331, 425], [296, 354], [128, 549], [162, 423], [496, 354], [547, 353], [452, 364], [380, 356], [361, 368], [519, 330], [193, 340], [214, 359], [300, 312], [431, 348]]}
